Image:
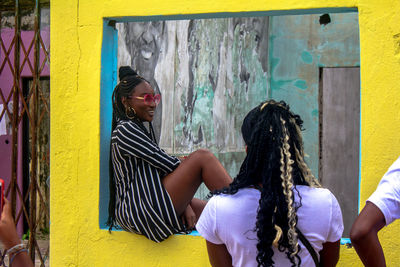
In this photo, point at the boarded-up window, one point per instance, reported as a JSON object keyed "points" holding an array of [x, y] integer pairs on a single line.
{"points": [[340, 137]]}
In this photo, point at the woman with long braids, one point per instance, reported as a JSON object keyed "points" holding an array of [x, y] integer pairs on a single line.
{"points": [[257, 220], [151, 192]]}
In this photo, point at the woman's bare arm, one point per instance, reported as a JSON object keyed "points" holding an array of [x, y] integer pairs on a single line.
{"points": [[218, 255], [329, 255], [364, 235]]}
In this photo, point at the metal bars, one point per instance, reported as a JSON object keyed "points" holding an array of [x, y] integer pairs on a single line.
{"points": [[29, 115]]}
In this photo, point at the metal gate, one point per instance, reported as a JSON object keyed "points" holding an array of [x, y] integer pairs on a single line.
{"points": [[24, 112]]}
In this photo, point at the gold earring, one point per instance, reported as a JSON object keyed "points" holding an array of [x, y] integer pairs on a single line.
{"points": [[130, 110]]}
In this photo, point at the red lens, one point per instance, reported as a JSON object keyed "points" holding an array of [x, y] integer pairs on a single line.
{"points": [[157, 98], [148, 99]]}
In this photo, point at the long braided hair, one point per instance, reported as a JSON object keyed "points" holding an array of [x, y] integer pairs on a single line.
{"points": [[274, 160], [129, 79]]}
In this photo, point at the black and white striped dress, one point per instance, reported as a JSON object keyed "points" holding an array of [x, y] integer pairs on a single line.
{"points": [[143, 205]]}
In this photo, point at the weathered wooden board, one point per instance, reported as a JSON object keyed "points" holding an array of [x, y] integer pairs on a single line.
{"points": [[340, 138]]}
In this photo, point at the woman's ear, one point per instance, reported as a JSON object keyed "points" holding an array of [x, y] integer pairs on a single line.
{"points": [[124, 100]]}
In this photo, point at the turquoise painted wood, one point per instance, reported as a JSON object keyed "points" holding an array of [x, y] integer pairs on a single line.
{"points": [[299, 46]]}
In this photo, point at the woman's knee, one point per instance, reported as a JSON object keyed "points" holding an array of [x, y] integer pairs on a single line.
{"points": [[202, 154]]}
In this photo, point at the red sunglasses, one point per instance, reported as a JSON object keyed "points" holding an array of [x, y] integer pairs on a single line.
{"points": [[149, 99]]}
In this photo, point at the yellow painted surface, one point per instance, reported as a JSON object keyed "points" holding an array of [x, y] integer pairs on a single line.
{"points": [[76, 34]]}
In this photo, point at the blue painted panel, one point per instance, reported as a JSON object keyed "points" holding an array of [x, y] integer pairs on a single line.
{"points": [[108, 80], [345, 241]]}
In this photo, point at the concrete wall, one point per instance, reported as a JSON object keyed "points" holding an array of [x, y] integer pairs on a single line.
{"points": [[76, 41]]}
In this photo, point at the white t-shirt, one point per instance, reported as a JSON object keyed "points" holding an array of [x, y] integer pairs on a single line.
{"points": [[387, 196], [230, 220]]}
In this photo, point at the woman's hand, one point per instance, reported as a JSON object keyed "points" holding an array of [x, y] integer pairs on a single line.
{"points": [[8, 232], [183, 158], [9, 238], [189, 217]]}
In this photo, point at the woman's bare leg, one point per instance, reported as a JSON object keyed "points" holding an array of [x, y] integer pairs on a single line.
{"points": [[200, 166]]}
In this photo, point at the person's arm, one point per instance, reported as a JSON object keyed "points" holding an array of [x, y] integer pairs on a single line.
{"points": [[208, 227], [133, 141], [189, 217], [9, 238], [364, 235], [219, 255], [329, 255]]}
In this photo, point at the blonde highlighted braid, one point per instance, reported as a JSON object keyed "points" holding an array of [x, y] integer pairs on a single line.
{"points": [[287, 185], [308, 176], [278, 236]]}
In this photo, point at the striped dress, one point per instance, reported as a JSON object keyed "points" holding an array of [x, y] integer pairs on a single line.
{"points": [[143, 205]]}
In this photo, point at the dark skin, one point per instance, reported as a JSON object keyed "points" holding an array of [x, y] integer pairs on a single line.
{"points": [[218, 255], [144, 112], [364, 236], [9, 237], [329, 255], [200, 166]]}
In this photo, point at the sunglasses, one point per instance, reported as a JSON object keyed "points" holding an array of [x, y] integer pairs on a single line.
{"points": [[149, 99]]}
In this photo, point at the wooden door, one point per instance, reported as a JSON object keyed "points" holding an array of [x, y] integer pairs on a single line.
{"points": [[340, 137]]}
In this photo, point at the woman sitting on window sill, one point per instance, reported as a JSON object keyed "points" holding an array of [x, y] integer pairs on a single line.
{"points": [[151, 192]]}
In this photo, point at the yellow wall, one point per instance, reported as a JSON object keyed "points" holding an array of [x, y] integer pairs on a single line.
{"points": [[76, 35]]}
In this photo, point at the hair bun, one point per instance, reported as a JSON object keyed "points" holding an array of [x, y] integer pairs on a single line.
{"points": [[125, 71], [248, 124]]}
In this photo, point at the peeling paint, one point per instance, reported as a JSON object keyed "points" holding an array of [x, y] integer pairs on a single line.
{"points": [[226, 76], [301, 84], [315, 113], [306, 57]]}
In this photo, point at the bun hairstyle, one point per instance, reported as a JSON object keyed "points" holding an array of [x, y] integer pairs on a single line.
{"points": [[125, 71], [275, 160], [129, 79]]}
